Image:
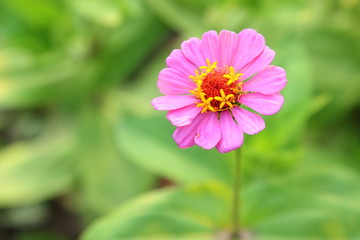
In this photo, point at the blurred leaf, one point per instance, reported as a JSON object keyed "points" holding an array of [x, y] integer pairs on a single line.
{"points": [[278, 145], [105, 12], [284, 208], [148, 143], [227, 15], [191, 214], [180, 18], [25, 216], [337, 72], [124, 51], [325, 196], [106, 177], [27, 81], [40, 15], [35, 26], [32, 171]]}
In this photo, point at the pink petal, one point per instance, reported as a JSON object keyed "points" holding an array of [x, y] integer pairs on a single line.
{"points": [[173, 82], [228, 42], [208, 134], [232, 136], [171, 102], [210, 46], [183, 116], [179, 62], [191, 50], [250, 123], [270, 80], [261, 61], [250, 45], [184, 136], [263, 104]]}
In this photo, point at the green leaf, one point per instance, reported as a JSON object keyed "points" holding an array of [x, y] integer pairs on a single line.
{"points": [[180, 18], [302, 205], [336, 68], [324, 196], [26, 80], [32, 171], [278, 146], [106, 177], [123, 51], [105, 13], [36, 14], [148, 142], [192, 214]]}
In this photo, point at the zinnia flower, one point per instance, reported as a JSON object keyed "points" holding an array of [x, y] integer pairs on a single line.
{"points": [[209, 80]]}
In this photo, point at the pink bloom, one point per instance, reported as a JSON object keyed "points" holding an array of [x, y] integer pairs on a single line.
{"points": [[207, 82]]}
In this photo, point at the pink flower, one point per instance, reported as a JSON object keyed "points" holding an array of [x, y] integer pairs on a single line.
{"points": [[207, 82]]}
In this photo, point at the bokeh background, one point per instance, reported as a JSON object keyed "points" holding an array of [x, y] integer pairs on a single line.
{"points": [[84, 156]]}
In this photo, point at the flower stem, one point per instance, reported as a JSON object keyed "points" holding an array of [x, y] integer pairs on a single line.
{"points": [[236, 221]]}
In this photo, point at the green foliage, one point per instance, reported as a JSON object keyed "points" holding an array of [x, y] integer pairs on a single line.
{"points": [[191, 213], [66, 74], [31, 171], [299, 205], [76, 124]]}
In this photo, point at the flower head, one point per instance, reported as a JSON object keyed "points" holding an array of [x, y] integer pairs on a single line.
{"points": [[209, 80]]}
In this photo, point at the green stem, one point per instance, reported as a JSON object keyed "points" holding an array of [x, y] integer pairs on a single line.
{"points": [[236, 221]]}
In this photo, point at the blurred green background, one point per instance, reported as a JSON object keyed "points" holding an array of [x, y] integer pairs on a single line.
{"points": [[84, 155]]}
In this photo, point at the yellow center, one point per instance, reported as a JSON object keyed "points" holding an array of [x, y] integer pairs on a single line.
{"points": [[217, 88]]}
